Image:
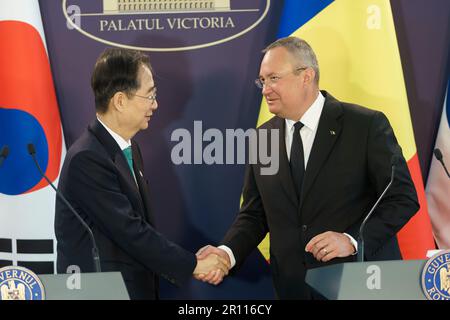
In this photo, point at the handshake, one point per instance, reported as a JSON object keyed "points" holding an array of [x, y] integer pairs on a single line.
{"points": [[213, 265]]}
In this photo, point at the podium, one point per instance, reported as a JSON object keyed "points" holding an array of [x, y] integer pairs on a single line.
{"points": [[397, 280], [93, 286]]}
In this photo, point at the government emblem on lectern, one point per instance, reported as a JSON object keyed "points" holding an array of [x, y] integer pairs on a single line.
{"points": [[18, 283], [436, 277]]}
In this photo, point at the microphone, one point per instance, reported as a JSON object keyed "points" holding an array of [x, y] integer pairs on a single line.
{"points": [[95, 255], [438, 154], [360, 256], [4, 154]]}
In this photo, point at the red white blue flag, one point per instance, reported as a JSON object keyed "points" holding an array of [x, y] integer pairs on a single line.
{"points": [[438, 184], [28, 114]]}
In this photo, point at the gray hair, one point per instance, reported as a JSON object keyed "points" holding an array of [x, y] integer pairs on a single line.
{"points": [[300, 50]]}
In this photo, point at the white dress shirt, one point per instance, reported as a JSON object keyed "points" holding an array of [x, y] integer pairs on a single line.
{"points": [[310, 120], [123, 144]]}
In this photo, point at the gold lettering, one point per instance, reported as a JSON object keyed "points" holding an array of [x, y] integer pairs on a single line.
{"points": [[158, 27], [215, 22], [103, 24], [139, 21], [200, 23], [205, 23], [154, 25], [120, 25], [23, 276], [131, 26], [29, 279], [436, 296], [112, 26], [172, 23], [184, 25], [229, 23]]}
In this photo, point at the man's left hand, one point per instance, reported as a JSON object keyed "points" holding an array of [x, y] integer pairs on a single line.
{"points": [[330, 245]]}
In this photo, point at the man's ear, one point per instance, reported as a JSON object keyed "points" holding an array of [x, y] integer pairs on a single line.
{"points": [[309, 76], [119, 100]]}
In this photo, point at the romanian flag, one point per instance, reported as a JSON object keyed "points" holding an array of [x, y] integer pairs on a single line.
{"points": [[356, 47], [28, 114]]}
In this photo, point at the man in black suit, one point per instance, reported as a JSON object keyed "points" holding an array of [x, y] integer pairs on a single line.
{"points": [[102, 177], [335, 160]]}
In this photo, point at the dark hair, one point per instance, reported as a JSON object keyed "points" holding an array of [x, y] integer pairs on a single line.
{"points": [[116, 70]]}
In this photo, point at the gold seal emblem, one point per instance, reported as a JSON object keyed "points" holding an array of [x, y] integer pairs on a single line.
{"points": [[436, 277], [18, 283]]}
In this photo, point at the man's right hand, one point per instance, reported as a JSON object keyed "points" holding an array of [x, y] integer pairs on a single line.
{"points": [[215, 276], [212, 264]]}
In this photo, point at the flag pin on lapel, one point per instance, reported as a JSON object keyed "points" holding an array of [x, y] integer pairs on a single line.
{"points": [[333, 133]]}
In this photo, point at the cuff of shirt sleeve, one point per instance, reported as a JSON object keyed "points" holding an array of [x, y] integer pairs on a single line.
{"points": [[354, 243], [230, 255]]}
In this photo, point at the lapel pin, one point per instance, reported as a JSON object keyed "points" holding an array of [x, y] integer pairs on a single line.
{"points": [[333, 133]]}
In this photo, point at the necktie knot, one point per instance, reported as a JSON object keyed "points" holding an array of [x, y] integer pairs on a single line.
{"points": [[298, 126], [129, 156]]}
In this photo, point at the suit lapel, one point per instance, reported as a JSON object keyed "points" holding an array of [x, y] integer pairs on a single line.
{"points": [[143, 189], [328, 132], [124, 169], [119, 160]]}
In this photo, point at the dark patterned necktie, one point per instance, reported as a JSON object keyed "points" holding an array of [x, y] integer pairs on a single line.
{"points": [[297, 159]]}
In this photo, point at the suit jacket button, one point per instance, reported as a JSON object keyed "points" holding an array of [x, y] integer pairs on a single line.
{"points": [[304, 227]]}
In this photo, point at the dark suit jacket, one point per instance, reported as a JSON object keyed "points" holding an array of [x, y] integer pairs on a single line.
{"points": [[345, 173], [97, 181]]}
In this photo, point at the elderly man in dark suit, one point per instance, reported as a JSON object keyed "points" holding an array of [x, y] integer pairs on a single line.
{"points": [[103, 178], [335, 160]]}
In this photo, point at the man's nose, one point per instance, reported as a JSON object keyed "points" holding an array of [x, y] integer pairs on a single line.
{"points": [[266, 89]]}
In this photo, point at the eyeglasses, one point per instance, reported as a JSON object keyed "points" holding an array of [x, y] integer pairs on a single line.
{"points": [[273, 79], [152, 98]]}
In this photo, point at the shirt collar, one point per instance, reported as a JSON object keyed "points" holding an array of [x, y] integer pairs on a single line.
{"points": [[123, 144], [311, 117]]}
